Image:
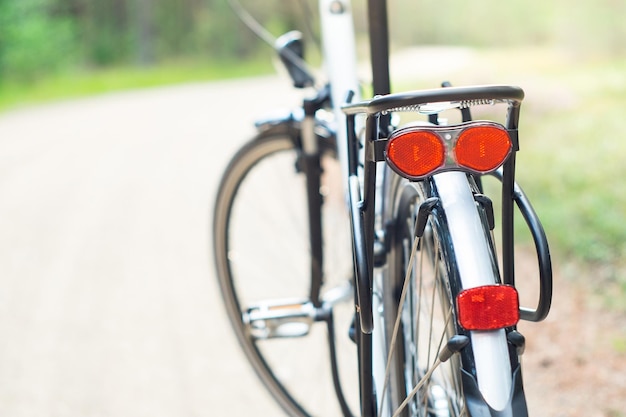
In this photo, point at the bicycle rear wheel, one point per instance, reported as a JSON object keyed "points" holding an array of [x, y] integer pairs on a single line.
{"points": [[262, 254], [424, 310], [419, 288]]}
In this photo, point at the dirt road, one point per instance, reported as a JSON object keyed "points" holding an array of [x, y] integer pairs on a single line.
{"points": [[108, 301]]}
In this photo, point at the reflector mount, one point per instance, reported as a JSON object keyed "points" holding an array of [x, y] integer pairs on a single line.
{"points": [[417, 151]]}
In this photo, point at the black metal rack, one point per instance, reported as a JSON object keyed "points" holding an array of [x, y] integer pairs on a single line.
{"points": [[362, 197]]}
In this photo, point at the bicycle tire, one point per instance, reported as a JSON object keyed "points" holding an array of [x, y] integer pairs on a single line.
{"points": [[427, 314], [284, 364]]}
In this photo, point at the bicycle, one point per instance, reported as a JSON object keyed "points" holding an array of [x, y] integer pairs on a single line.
{"points": [[402, 214]]}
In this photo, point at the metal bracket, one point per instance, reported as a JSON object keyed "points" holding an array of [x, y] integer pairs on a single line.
{"points": [[423, 213], [486, 203]]}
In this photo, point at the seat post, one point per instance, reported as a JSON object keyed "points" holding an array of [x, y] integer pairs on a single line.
{"points": [[379, 53]]}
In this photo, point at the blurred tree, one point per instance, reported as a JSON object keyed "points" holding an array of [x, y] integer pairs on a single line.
{"points": [[144, 28], [34, 39], [104, 30], [40, 36]]}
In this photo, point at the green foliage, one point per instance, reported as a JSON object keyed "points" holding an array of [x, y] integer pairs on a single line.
{"points": [[586, 27], [33, 42], [38, 37]]}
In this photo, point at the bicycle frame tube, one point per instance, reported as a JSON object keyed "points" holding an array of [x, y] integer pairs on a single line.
{"points": [[379, 52], [311, 166], [379, 46], [339, 49]]}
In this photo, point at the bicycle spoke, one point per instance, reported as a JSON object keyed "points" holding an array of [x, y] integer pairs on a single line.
{"points": [[396, 325], [426, 379]]}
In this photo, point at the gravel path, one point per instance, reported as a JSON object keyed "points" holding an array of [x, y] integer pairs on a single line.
{"points": [[108, 301]]}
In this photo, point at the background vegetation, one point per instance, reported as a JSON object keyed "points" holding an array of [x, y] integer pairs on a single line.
{"points": [[571, 58], [51, 42]]}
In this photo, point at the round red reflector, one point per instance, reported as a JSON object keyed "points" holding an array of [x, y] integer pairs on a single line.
{"points": [[482, 148], [416, 153]]}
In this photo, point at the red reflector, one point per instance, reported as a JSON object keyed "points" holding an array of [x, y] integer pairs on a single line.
{"points": [[416, 153], [488, 307], [482, 148]]}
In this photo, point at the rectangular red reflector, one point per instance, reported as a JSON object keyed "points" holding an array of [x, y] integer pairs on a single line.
{"points": [[489, 307]]}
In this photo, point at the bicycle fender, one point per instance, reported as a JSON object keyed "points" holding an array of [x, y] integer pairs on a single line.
{"points": [[478, 407], [289, 123], [283, 122]]}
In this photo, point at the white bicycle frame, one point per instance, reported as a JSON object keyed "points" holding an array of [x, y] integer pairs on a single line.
{"points": [[490, 347], [340, 62]]}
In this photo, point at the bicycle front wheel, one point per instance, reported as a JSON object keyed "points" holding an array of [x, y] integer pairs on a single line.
{"points": [[262, 253]]}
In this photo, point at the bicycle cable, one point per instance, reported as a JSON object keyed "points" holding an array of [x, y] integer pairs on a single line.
{"points": [[307, 24], [255, 27], [251, 23]]}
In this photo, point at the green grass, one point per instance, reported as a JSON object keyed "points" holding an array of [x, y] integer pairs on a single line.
{"points": [[80, 83], [572, 164]]}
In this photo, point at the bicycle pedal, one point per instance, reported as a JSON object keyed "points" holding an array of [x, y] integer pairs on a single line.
{"points": [[280, 319]]}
